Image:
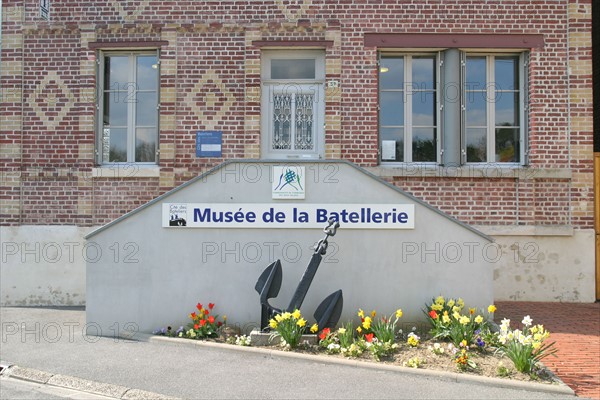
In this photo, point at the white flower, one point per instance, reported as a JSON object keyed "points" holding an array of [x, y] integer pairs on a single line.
{"points": [[527, 321]]}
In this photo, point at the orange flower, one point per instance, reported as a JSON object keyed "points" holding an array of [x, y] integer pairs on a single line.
{"points": [[193, 315], [211, 319], [196, 326], [211, 305], [369, 337], [324, 333], [433, 314], [199, 307]]}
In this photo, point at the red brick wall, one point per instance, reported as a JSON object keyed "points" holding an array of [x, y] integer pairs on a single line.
{"points": [[211, 40]]}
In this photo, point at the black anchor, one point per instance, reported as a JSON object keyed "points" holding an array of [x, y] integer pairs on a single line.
{"points": [[329, 311]]}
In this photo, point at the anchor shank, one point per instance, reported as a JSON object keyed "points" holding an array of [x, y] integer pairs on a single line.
{"points": [[305, 282]]}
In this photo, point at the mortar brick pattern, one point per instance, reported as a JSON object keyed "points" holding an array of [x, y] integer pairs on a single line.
{"points": [[210, 79]]}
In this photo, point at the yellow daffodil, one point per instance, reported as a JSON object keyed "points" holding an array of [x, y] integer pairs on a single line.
{"points": [[286, 315], [445, 318], [359, 329], [278, 318], [367, 323], [451, 303], [460, 302], [439, 300], [342, 330], [479, 319], [296, 314], [373, 314], [437, 307], [273, 324], [464, 320], [456, 315], [472, 311], [361, 313], [314, 328], [399, 313], [456, 309], [491, 308], [301, 322]]}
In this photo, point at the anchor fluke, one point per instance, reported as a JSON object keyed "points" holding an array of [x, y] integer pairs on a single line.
{"points": [[329, 311]]}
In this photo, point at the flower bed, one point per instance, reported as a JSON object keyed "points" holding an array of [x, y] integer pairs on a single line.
{"points": [[458, 339]]}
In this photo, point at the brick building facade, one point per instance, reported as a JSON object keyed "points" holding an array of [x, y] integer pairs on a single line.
{"points": [[394, 86]]}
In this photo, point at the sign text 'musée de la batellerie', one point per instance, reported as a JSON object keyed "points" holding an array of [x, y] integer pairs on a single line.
{"points": [[253, 215]]}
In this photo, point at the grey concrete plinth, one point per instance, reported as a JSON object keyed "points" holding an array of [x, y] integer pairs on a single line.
{"points": [[258, 338], [375, 266]]}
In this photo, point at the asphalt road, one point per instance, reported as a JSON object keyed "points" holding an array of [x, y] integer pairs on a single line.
{"points": [[51, 340]]}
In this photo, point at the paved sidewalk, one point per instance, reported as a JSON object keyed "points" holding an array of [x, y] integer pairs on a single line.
{"points": [[576, 329]]}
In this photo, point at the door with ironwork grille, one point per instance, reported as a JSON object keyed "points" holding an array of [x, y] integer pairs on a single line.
{"points": [[293, 120]]}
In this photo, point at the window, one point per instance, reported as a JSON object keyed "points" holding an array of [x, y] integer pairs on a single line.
{"points": [[293, 104], [453, 107], [408, 112], [494, 108], [128, 107]]}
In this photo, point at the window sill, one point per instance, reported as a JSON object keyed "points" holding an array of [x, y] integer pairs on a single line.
{"points": [[129, 171], [477, 171]]}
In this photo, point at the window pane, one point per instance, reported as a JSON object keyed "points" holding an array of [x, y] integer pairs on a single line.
{"points": [[304, 117], [115, 109], [145, 145], [391, 73], [115, 144], [147, 72], [507, 109], [392, 109], [476, 145], [507, 73], [476, 73], [146, 112], [392, 144], [116, 73], [507, 145], [293, 69], [476, 109], [424, 144], [423, 73], [423, 112], [282, 122]]}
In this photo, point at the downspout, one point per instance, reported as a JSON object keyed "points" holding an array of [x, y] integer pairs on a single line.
{"points": [[568, 67], [1, 19]]}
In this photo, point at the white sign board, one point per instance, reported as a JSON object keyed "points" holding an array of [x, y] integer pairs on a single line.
{"points": [[255, 215], [288, 182]]}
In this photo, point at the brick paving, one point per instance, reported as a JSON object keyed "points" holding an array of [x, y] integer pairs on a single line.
{"points": [[575, 328]]}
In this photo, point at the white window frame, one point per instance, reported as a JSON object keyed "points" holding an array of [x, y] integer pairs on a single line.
{"points": [[491, 110], [131, 112], [314, 86], [408, 98]]}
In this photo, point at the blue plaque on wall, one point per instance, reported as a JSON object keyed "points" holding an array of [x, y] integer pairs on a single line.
{"points": [[209, 143]]}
